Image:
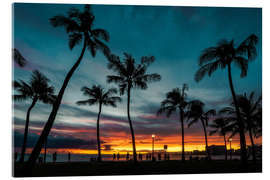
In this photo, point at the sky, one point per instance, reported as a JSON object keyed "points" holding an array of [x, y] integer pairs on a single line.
{"points": [[175, 36]]}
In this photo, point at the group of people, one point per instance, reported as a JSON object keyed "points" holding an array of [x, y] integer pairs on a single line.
{"points": [[148, 156]]}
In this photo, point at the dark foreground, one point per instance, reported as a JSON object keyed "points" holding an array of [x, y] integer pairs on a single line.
{"points": [[141, 168]]}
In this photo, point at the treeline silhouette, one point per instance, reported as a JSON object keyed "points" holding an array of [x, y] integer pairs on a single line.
{"points": [[243, 115]]}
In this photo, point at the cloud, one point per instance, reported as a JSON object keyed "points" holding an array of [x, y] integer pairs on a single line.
{"points": [[55, 142]]}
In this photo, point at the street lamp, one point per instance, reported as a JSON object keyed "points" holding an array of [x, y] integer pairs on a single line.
{"points": [[230, 140], [153, 141]]}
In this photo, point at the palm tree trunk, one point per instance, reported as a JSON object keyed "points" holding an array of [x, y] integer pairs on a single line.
{"points": [[98, 138], [36, 151], [45, 150], [240, 122], [206, 142], [252, 145], [225, 142], [131, 127], [26, 129], [183, 134]]}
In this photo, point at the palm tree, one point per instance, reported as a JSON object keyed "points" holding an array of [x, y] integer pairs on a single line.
{"points": [[78, 26], [250, 110], [37, 89], [18, 58], [176, 100], [222, 56], [220, 126], [130, 75], [196, 113], [98, 95]]}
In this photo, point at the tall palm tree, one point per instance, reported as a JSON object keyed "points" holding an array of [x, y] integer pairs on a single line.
{"points": [[37, 89], [196, 113], [222, 56], [220, 126], [79, 27], [176, 100], [250, 110], [130, 75], [18, 58], [98, 95]]}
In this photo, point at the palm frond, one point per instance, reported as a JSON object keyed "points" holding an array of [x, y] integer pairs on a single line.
{"points": [[194, 120], [101, 33], [151, 77], [18, 58], [115, 79], [102, 47], [74, 39], [206, 69], [242, 63], [208, 55], [69, 24], [248, 47], [87, 102], [147, 60], [20, 97]]}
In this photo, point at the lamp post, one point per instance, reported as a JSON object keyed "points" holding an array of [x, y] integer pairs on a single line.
{"points": [[153, 142], [230, 140]]}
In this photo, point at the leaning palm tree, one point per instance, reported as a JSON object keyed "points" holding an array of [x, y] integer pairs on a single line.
{"points": [[196, 113], [98, 95], [223, 56], [176, 100], [250, 110], [18, 58], [79, 27], [220, 126], [37, 89], [130, 75]]}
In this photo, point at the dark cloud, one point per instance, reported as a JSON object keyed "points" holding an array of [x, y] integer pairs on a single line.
{"points": [[54, 142]]}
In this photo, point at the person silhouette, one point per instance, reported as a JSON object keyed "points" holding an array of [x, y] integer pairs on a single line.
{"points": [[40, 160], [54, 157], [114, 156], [159, 156], [140, 156], [69, 157], [118, 156], [127, 157]]}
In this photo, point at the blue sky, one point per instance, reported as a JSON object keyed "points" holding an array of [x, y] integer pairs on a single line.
{"points": [[174, 35]]}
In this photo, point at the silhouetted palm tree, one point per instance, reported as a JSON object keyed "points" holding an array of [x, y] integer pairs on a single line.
{"points": [[220, 126], [18, 58], [196, 113], [37, 89], [78, 26], [222, 56], [99, 96], [131, 75], [258, 124], [250, 110], [176, 100]]}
